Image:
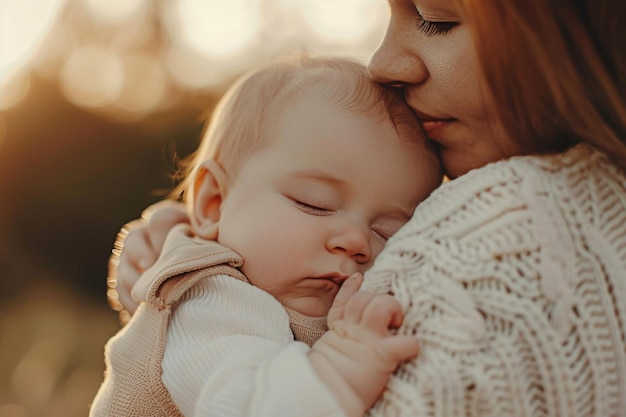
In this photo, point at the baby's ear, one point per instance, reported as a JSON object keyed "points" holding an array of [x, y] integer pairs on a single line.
{"points": [[209, 190]]}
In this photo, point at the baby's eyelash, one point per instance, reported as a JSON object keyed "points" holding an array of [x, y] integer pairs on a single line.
{"points": [[382, 236], [315, 211], [429, 28]]}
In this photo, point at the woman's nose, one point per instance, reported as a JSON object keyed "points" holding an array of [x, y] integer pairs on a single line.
{"points": [[396, 61], [353, 242]]}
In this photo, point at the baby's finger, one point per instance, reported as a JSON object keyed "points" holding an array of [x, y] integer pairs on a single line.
{"points": [[138, 252], [381, 313], [127, 276], [119, 292], [162, 221], [348, 289], [400, 348], [127, 302], [356, 305]]}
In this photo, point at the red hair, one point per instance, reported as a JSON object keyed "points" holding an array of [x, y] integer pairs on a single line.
{"points": [[556, 70]]}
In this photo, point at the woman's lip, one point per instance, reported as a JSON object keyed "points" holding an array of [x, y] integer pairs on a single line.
{"points": [[435, 128], [423, 117], [435, 123], [429, 124]]}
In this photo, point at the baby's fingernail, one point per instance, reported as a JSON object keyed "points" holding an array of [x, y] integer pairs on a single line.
{"points": [[354, 279], [143, 264]]}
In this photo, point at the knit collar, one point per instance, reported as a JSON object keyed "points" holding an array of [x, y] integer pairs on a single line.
{"points": [[305, 328], [182, 248]]}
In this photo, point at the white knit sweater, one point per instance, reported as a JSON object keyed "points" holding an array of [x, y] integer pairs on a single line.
{"points": [[513, 277]]}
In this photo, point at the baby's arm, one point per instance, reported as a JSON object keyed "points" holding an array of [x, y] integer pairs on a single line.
{"points": [[239, 359], [357, 356], [136, 248]]}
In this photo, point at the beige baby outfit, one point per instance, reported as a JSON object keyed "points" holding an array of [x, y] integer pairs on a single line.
{"points": [[205, 342]]}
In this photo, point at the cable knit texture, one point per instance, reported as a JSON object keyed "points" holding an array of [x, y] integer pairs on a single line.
{"points": [[513, 277]]}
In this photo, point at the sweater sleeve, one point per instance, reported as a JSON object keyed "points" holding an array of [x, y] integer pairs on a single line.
{"points": [[512, 279], [230, 352], [427, 266]]}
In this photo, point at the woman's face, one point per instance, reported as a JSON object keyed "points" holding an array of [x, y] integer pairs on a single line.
{"points": [[429, 51]]}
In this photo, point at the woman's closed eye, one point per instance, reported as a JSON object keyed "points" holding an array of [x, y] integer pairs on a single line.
{"points": [[429, 28]]}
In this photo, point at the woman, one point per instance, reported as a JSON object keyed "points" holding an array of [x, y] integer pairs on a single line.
{"points": [[512, 274]]}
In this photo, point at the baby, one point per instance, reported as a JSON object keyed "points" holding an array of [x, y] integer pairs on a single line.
{"points": [[305, 171]]}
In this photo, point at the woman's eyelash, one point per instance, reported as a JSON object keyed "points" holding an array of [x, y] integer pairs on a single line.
{"points": [[314, 210], [429, 28]]}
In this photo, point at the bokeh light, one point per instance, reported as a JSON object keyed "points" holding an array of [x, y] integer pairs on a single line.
{"points": [[192, 71], [145, 85], [217, 28], [12, 91], [93, 76], [93, 94], [59, 43], [97, 48], [23, 26], [115, 11], [349, 21]]}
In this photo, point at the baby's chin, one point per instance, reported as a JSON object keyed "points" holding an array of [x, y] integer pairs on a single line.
{"points": [[309, 306]]}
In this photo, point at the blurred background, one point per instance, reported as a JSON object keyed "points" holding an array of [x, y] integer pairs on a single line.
{"points": [[98, 99]]}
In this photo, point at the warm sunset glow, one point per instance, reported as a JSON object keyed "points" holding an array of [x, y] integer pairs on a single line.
{"points": [[133, 56], [115, 11], [23, 26], [346, 21], [3, 135], [93, 77], [216, 28], [99, 101], [145, 85], [13, 91], [192, 71]]}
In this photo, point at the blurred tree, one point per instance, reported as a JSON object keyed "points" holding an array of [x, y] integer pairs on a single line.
{"points": [[69, 179]]}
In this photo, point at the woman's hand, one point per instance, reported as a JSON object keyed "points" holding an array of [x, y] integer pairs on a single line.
{"points": [[136, 248]]}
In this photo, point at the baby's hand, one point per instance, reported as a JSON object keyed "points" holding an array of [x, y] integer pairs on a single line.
{"points": [[357, 356], [136, 248]]}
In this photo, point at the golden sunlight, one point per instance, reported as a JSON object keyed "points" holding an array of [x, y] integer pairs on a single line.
{"points": [[346, 21], [115, 11], [216, 28], [130, 58], [23, 26], [93, 76], [99, 101]]}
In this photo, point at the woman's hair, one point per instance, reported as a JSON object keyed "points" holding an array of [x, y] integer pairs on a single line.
{"points": [[556, 69], [243, 118]]}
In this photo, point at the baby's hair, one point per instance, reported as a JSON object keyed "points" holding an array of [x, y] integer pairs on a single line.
{"points": [[242, 118]]}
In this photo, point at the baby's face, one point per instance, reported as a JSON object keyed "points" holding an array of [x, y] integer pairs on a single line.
{"points": [[320, 201]]}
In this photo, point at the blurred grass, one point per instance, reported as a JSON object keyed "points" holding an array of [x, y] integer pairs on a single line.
{"points": [[51, 351]]}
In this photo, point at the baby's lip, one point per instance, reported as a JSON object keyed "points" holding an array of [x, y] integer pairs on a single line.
{"points": [[336, 277]]}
